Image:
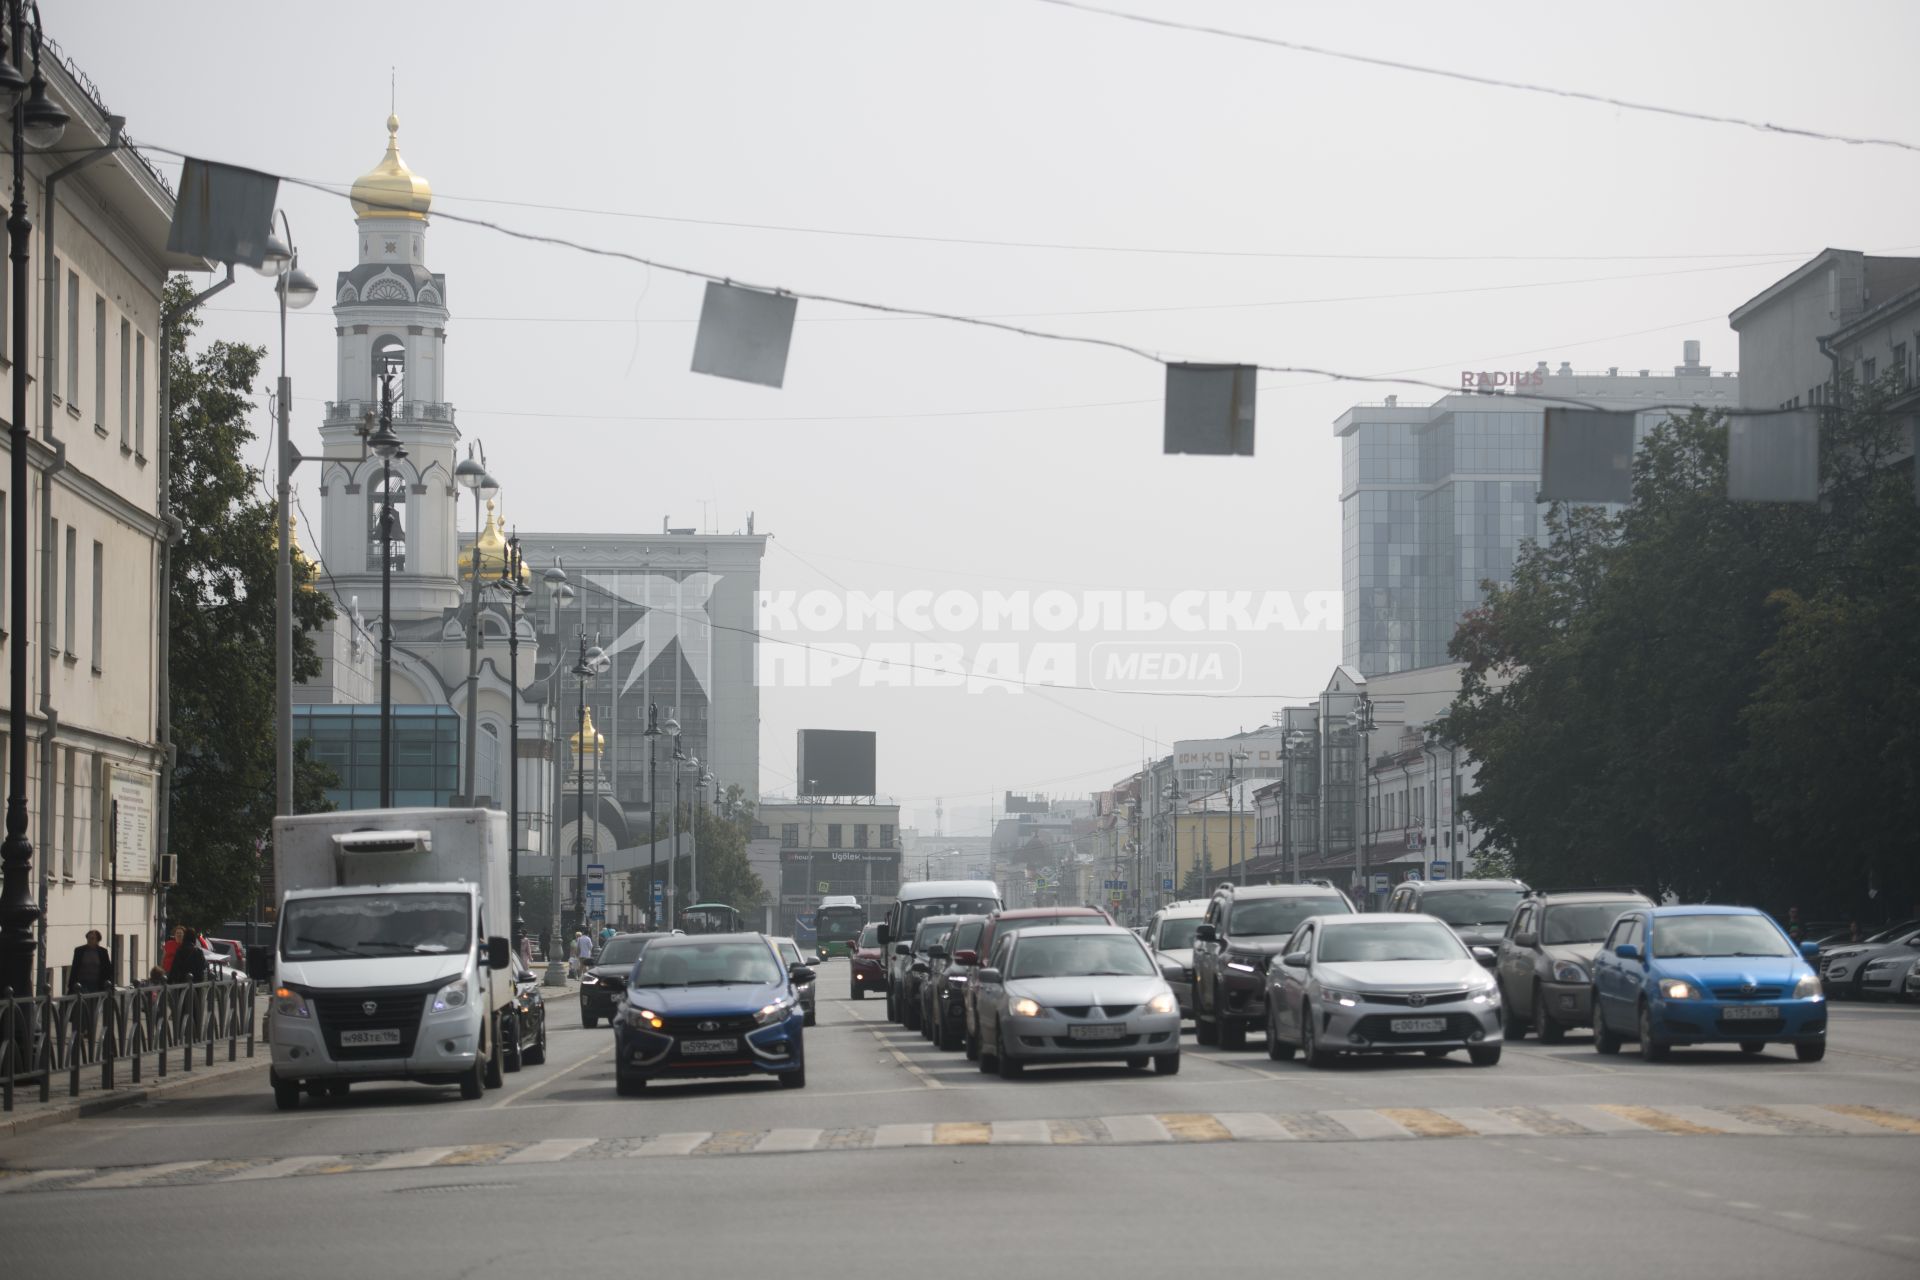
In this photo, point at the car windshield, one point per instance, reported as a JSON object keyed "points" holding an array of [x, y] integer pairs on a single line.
{"points": [[1079, 956], [789, 952], [930, 934], [1472, 906], [1278, 917], [1178, 933], [1581, 921], [619, 951], [1389, 940], [966, 937], [1685, 937], [707, 964], [362, 925], [920, 908], [870, 936], [1896, 933]]}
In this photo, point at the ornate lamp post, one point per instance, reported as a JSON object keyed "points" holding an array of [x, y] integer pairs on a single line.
{"points": [[559, 595], [652, 734], [509, 584], [385, 443], [590, 664], [473, 476], [295, 288]]}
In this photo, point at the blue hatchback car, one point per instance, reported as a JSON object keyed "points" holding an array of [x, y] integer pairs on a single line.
{"points": [[713, 1004], [1705, 975]]}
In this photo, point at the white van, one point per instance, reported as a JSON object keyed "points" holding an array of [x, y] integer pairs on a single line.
{"points": [[918, 900]]}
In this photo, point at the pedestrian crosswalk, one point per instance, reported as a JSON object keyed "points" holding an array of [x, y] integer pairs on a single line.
{"points": [[1382, 1124]]}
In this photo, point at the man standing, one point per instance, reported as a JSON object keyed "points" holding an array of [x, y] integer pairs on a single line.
{"points": [[92, 967], [189, 962], [584, 950]]}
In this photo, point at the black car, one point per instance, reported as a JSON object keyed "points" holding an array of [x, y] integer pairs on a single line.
{"points": [[930, 931], [603, 985], [1244, 928], [950, 965], [528, 1043]]}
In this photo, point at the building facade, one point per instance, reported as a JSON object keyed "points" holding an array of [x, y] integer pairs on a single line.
{"points": [[829, 849]]}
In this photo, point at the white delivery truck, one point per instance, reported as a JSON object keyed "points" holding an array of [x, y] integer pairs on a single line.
{"points": [[390, 960]]}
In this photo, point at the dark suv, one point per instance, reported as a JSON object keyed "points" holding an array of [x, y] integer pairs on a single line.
{"points": [[1545, 964], [950, 966], [1477, 910], [1244, 928]]}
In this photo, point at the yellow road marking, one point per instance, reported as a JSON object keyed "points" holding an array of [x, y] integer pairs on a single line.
{"points": [[1195, 1126], [1426, 1123], [333, 1168], [1885, 1119], [483, 1153], [970, 1133], [1658, 1120]]}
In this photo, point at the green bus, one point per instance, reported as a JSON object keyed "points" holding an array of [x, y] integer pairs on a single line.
{"points": [[837, 922]]}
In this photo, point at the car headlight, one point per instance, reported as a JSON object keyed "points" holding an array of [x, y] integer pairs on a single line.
{"points": [[1569, 971], [639, 1017], [588, 980], [1890, 962], [1026, 1007], [1163, 1003], [1676, 989], [1242, 966], [451, 996], [772, 1013], [1344, 998], [1808, 988], [1489, 994], [956, 979], [289, 1003]]}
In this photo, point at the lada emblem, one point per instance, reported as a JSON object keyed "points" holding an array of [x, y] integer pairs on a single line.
{"points": [[369, 1008], [709, 1026]]}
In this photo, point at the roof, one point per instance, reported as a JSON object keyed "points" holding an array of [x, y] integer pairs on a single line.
{"points": [[1100, 928], [676, 939], [1046, 913], [1471, 884], [1186, 907], [1707, 909], [1788, 282], [915, 889], [1281, 890]]}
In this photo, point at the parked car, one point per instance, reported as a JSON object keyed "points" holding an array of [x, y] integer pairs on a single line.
{"points": [[1874, 966], [1545, 961], [1170, 938], [790, 955], [1382, 982], [527, 1045], [950, 966], [1244, 928], [1684, 975], [602, 985], [711, 1004], [930, 932], [1477, 910], [1002, 925], [226, 959], [1911, 988], [868, 968], [1076, 993]]}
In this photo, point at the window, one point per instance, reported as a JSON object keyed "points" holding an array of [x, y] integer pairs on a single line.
{"points": [[140, 394], [99, 362], [66, 814], [73, 595], [126, 383], [97, 823], [53, 592], [1868, 370], [886, 831], [860, 835], [1898, 365], [790, 835], [73, 342], [833, 835], [99, 603]]}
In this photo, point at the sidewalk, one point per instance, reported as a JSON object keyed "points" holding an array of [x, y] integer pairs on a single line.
{"points": [[29, 1113]]}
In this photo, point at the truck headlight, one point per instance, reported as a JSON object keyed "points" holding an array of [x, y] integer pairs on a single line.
{"points": [[1675, 989], [451, 996], [289, 1003], [1163, 1003], [1569, 971], [1808, 988]]}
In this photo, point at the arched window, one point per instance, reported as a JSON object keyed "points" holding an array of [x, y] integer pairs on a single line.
{"points": [[486, 772], [390, 358], [396, 537]]}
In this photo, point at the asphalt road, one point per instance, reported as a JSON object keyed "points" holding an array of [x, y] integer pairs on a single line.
{"points": [[1556, 1161]]}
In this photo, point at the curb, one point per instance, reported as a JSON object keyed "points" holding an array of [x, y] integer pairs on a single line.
{"points": [[65, 1111]]}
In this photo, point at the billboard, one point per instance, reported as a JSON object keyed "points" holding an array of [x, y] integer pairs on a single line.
{"points": [[836, 762]]}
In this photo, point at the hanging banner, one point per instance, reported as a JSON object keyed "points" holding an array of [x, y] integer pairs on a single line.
{"points": [[130, 795]]}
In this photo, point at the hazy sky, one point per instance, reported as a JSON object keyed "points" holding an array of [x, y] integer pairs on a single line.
{"points": [[908, 454]]}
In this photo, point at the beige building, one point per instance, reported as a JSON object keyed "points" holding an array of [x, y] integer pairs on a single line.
{"points": [[99, 265], [830, 849]]}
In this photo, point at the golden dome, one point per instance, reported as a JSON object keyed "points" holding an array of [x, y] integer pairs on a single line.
{"points": [[595, 739], [392, 190], [492, 546], [304, 568]]}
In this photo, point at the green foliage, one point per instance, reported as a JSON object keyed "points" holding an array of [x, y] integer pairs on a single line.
{"points": [[721, 844], [222, 660], [1712, 698]]}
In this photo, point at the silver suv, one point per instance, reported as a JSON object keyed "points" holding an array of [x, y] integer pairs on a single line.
{"points": [[1545, 963], [1170, 937]]}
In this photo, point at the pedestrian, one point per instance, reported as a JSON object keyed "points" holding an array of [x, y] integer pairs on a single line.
{"points": [[189, 963], [92, 966], [606, 935], [172, 948], [584, 946], [526, 951], [1795, 929]]}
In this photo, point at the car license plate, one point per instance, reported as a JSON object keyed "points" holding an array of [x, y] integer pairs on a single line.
{"points": [[362, 1039], [1418, 1026], [709, 1046], [1099, 1031], [1749, 1013]]}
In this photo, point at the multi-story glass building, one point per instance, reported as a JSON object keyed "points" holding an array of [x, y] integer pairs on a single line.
{"points": [[1436, 500]]}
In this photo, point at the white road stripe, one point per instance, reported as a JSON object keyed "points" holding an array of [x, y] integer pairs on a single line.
{"points": [[1831, 1119], [1136, 1129], [413, 1159], [1368, 1124], [134, 1177], [1253, 1126], [903, 1135], [1017, 1133], [1599, 1120], [18, 1181], [549, 1150], [1720, 1120], [670, 1144], [1487, 1122], [279, 1168], [789, 1140]]}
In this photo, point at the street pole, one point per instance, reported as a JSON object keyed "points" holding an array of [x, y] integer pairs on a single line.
{"points": [[652, 734], [385, 443], [472, 476], [293, 289], [511, 568], [673, 825]]}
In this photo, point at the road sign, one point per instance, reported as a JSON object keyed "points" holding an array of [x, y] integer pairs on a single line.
{"points": [[596, 877], [1115, 884], [1115, 895], [1381, 882], [1438, 869], [1167, 884], [826, 886]]}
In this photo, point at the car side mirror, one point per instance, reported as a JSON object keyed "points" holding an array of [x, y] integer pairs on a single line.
{"points": [[1627, 951], [1810, 949], [966, 957], [1294, 960], [903, 948], [1914, 941], [799, 973], [499, 953], [886, 934], [936, 952], [1526, 939], [1484, 956], [1205, 933], [989, 976], [918, 966]]}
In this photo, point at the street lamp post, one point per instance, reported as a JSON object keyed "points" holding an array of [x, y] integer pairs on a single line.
{"points": [[1206, 834], [673, 824], [39, 123], [512, 568], [1360, 721], [1173, 835], [1233, 820], [591, 663], [385, 443], [472, 475], [652, 734], [559, 593], [692, 768]]}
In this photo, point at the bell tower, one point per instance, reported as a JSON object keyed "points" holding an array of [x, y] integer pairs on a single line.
{"points": [[390, 319]]}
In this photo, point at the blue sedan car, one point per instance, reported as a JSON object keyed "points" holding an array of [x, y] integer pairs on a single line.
{"points": [[710, 1005], [1705, 975]]}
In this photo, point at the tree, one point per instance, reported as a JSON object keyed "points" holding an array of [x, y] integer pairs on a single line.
{"points": [[222, 631]]}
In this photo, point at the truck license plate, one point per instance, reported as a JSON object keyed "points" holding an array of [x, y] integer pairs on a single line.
{"points": [[372, 1036], [1418, 1026], [708, 1046], [1099, 1031]]}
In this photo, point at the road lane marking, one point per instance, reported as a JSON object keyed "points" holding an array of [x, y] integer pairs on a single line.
{"points": [[784, 1140], [965, 1133], [133, 1177], [542, 1083], [277, 1169], [1599, 1119], [21, 1179], [1657, 1120], [1195, 1126], [1370, 1124], [1426, 1123], [419, 1159], [1021, 1133], [479, 1153], [1826, 1117], [1877, 1115], [549, 1150], [1486, 1122], [1253, 1126], [1136, 1129], [903, 1135], [669, 1144], [1719, 1121]]}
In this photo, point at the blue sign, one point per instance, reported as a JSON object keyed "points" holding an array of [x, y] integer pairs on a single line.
{"points": [[1438, 869], [1115, 884], [1167, 884]]}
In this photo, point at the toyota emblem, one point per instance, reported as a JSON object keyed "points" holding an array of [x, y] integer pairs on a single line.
{"points": [[369, 1008], [709, 1026], [1416, 1000]]}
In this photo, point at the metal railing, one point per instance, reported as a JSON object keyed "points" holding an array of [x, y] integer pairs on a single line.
{"points": [[43, 1037]]}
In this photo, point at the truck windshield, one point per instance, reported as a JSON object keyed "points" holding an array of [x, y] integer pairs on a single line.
{"points": [[364, 925]]}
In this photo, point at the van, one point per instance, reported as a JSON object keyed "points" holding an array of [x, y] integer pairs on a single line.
{"points": [[914, 903]]}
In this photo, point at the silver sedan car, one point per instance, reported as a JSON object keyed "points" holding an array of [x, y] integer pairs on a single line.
{"points": [[1076, 993], [1381, 983], [1170, 937]]}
